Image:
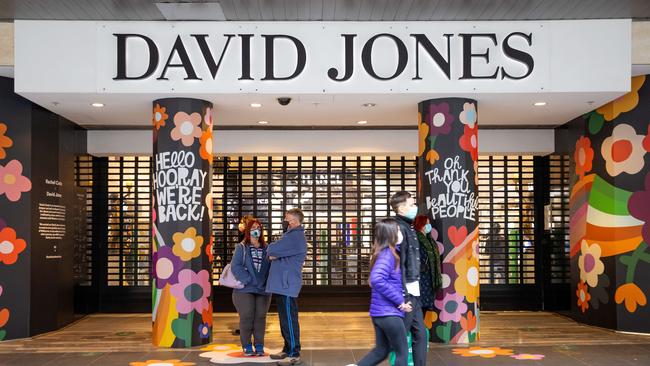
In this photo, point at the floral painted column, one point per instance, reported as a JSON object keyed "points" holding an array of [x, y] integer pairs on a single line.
{"points": [[447, 192], [182, 230], [610, 211]]}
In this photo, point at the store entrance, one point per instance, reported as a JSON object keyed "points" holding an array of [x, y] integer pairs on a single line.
{"points": [[524, 265]]}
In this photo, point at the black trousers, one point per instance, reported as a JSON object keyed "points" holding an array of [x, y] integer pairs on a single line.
{"points": [[414, 323], [390, 334], [289, 326]]}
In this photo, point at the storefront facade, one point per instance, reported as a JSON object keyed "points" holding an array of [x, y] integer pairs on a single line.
{"points": [[424, 88]]}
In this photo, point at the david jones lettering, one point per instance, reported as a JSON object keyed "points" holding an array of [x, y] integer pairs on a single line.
{"points": [[210, 50]]}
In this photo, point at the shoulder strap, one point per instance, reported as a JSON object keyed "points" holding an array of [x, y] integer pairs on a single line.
{"points": [[243, 247]]}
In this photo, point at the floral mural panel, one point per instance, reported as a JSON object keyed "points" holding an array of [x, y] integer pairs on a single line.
{"points": [[610, 212], [15, 211], [447, 192], [182, 230]]}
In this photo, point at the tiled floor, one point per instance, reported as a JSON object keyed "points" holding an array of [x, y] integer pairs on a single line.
{"points": [[334, 339]]}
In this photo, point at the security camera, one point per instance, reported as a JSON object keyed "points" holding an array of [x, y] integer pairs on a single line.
{"points": [[284, 100]]}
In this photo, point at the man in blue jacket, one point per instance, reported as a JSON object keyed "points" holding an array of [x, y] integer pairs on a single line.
{"points": [[287, 257]]}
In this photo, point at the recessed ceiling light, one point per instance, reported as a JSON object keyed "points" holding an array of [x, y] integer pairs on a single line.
{"points": [[97, 105], [369, 104], [256, 105], [362, 122], [263, 122], [539, 104]]}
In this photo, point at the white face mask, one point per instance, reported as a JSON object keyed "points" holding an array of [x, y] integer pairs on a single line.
{"points": [[400, 238]]}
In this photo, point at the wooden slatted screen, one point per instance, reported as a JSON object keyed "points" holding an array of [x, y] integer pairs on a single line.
{"points": [[129, 212], [341, 196], [559, 191], [506, 219], [83, 172]]}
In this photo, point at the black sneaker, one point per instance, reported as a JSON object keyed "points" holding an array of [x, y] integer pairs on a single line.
{"points": [[279, 356]]}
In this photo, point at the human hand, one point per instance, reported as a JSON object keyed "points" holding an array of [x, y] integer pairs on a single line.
{"points": [[272, 258], [406, 307]]}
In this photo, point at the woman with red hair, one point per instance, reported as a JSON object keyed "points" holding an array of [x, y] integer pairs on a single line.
{"points": [[430, 277], [250, 265]]}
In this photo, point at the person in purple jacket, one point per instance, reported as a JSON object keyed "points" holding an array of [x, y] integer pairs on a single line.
{"points": [[387, 306]]}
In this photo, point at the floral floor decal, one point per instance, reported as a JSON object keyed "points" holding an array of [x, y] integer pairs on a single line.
{"points": [[483, 352], [528, 357], [231, 354], [162, 363], [492, 352]]}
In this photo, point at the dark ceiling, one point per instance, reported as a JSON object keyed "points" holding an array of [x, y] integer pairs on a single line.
{"points": [[335, 10]]}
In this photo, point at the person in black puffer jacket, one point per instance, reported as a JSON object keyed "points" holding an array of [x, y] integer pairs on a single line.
{"points": [[403, 204]]}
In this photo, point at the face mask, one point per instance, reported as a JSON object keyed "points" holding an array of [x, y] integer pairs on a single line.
{"points": [[413, 211], [427, 228], [255, 233], [400, 238]]}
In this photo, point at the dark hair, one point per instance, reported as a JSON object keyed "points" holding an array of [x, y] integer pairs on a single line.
{"points": [[297, 213], [420, 222], [385, 237], [247, 232], [398, 198]]}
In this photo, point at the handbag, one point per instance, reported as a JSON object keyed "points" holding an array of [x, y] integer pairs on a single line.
{"points": [[227, 278]]}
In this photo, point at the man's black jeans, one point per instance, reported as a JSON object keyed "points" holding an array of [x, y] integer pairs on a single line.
{"points": [[414, 323]]}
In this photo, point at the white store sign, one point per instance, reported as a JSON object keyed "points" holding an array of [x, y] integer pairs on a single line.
{"points": [[323, 57]]}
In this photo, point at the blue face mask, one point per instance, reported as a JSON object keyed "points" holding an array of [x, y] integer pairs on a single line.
{"points": [[427, 228], [413, 211], [255, 233]]}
